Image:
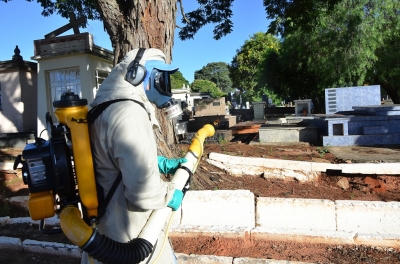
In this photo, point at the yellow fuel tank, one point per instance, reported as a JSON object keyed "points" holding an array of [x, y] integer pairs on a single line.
{"points": [[72, 111]]}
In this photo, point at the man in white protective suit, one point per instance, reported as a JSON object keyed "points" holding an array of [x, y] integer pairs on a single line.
{"points": [[123, 143]]}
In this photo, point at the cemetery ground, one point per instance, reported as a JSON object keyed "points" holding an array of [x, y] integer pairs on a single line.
{"points": [[208, 177]]}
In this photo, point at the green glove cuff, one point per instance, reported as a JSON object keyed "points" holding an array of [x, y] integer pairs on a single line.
{"points": [[169, 166], [176, 200]]}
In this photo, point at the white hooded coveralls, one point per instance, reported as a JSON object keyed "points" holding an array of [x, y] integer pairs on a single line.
{"points": [[122, 139]]}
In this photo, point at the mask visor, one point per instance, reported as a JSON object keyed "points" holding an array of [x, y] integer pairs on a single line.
{"points": [[162, 83]]}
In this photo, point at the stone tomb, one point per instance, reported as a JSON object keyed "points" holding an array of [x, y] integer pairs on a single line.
{"points": [[300, 132], [344, 98], [302, 107], [364, 126]]}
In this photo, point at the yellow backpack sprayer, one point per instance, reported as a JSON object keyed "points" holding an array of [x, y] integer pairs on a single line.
{"points": [[60, 176]]}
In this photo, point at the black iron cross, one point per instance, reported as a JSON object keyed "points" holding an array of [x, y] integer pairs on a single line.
{"points": [[73, 23]]}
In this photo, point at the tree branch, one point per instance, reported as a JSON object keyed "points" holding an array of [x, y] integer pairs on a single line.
{"points": [[183, 12]]}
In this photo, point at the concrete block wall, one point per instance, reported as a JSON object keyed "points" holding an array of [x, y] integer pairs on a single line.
{"points": [[288, 133], [236, 165], [368, 217], [203, 208], [239, 214], [282, 213]]}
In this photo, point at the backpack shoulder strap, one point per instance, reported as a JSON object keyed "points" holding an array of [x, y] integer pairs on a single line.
{"points": [[94, 113], [103, 206]]}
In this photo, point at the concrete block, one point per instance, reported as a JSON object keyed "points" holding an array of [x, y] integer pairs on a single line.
{"points": [[6, 166], [10, 243], [372, 168], [200, 259], [262, 162], [288, 134], [283, 213], [20, 201], [4, 220], [52, 248], [53, 221], [209, 106], [203, 208], [255, 166], [299, 175], [210, 231], [368, 217], [389, 241], [272, 135], [269, 168], [304, 236], [323, 166]]}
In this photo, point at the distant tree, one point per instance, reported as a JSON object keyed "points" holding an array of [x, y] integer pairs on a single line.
{"points": [[386, 71], [288, 15], [216, 72], [288, 74], [245, 68], [206, 86], [353, 43], [177, 80]]}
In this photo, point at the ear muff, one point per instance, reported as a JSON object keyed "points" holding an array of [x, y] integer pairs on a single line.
{"points": [[137, 72]]}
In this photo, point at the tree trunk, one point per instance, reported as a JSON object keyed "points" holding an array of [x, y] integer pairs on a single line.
{"points": [[143, 24], [139, 24]]}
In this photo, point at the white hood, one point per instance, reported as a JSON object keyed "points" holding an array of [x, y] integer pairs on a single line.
{"points": [[115, 86]]}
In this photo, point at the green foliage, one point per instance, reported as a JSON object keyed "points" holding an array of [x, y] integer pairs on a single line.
{"points": [[288, 16], [177, 80], [222, 140], [347, 44], [210, 11], [287, 72], [322, 151], [246, 67], [206, 86], [386, 70], [216, 72], [81, 8]]}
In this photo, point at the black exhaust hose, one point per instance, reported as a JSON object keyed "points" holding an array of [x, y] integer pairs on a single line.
{"points": [[106, 250]]}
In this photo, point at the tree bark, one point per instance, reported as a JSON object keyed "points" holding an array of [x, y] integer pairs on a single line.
{"points": [[143, 24], [139, 24]]}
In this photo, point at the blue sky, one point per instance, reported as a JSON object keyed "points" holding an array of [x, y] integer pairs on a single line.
{"points": [[22, 23]]}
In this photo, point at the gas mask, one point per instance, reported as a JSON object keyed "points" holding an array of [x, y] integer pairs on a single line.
{"points": [[155, 75], [159, 93]]}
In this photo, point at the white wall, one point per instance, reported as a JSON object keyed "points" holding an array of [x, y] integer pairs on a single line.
{"points": [[13, 108], [88, 64]]}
